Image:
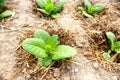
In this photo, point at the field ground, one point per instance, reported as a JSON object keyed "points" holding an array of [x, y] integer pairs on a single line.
{"points": [[84, 34]]}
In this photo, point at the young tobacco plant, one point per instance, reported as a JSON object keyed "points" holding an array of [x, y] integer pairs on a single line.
{"points": [[91, 10], [6, 13], [114, 46], [47, 7], [46, 48]]}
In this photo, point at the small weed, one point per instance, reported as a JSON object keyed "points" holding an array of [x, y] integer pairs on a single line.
{"points": [[46, 48], [47, 7], [91, 10], [114, 46]]}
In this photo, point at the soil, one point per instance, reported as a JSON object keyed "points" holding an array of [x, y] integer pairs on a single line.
{"points": [[86, 35]]}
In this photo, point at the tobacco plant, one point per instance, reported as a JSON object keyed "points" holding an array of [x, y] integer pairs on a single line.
{"points": [[49, 8], [6, 13], [91, 10], [114, 46], [47, 48]]}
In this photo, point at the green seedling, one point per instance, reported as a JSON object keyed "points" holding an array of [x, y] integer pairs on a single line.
{"points": [[46, 48], [91, 10], [6, 13], [114, 46], [49, 8]]}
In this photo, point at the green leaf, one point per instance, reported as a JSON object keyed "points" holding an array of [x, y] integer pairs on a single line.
{"points": [[2, 3], [41, 34], [98, 8], [55, 15], [41, 3], [44, 11], [86, 14], [35, 46], [87, 4], [49, 6], [46, 61], [90, 9], [58, 6], [80, 9], [106, 56], [5, 14], [49, 1], [52, 43], [111, 39], [62, 52], [117, 46]]}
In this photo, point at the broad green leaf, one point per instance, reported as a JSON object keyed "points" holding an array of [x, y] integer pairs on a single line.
{"points": [[44, 11], [35, 41], [117, 46], [49, 6], [62, 52], [87, 4], [55, 15], [5, 14], [106, 56], [35, 46], [2, 3], [41, 34], [41, 3], [58, 6], [86, 14], [111, 39], [52, 43], [46, 61], [98, 8]]}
